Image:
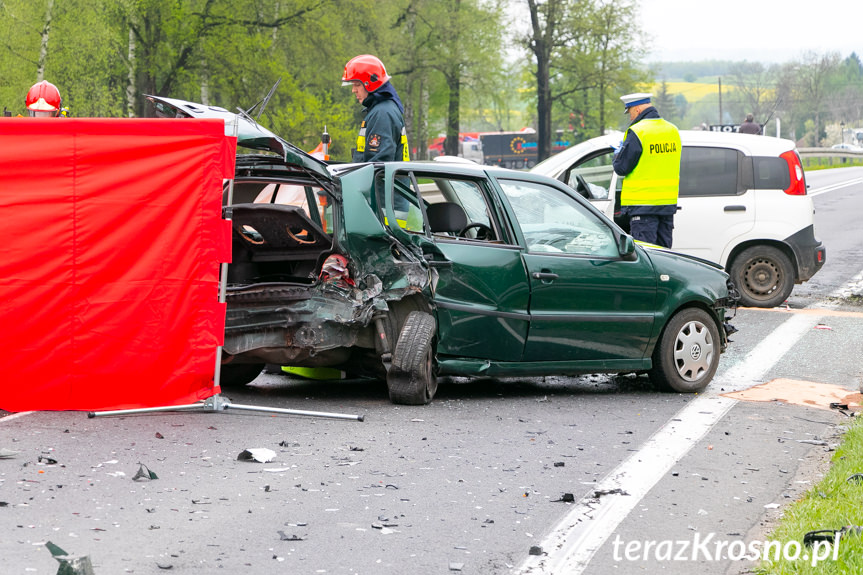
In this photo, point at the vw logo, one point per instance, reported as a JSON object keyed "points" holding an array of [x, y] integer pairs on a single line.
{"points": [[695, 351]]}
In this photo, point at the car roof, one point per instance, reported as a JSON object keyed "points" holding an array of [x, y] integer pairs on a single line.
{"points": [[749, 144], [755, 144]]}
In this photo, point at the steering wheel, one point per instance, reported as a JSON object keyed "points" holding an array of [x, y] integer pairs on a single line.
{"points": [[483, 232]]}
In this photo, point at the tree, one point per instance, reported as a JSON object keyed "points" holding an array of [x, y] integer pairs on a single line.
{"points": [[664, 102], [544, 40], [582, 50], [811, 88], [452, 46], [754, 82]]}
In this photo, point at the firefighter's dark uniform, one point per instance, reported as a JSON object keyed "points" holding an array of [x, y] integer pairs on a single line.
{"points": [[649, 157], [382, 136]]}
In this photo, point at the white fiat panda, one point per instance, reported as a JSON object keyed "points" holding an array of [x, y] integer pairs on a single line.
{"points": [[742, 204]]}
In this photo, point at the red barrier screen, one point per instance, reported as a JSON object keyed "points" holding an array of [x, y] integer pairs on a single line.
{"points": [[109, 274]]}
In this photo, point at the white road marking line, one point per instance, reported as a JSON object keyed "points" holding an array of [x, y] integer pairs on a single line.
{"points": [[832, 187], [574, 541]]}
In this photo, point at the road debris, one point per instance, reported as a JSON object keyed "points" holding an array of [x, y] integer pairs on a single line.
{"points": [[805, 393], [259, 454], [144, 473], [70, 564], [616, 491], [6, 453]]}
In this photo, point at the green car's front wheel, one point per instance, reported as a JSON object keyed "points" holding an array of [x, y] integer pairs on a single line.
{"points": [[687, 355]]}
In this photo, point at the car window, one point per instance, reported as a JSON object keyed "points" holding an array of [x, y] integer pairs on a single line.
{"points": [[553, 222], [706, 171], [596, 172], [462, 207], [770, 173], [311, 199]]}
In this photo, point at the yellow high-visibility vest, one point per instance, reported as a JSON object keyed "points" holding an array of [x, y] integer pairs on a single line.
{"points": [[655, 181]]}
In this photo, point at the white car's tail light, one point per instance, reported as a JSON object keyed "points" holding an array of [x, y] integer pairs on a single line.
{"points": [[797, 187]]}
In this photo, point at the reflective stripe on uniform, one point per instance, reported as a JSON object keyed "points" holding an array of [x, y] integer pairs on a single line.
{"points": [[361, 138], [404, 142]]}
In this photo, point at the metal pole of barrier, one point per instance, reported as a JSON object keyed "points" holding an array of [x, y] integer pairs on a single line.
{"points": [[217, 402]]}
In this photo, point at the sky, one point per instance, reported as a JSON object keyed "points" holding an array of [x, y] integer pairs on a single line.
{"points": [[768, 31]]}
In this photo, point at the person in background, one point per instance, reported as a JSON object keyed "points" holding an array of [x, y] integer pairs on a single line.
{"points": [[382, 136], [43, 99], [750, 126], [649, 158]]}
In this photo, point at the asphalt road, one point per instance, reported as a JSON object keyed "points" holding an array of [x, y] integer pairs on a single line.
{"points": [[468, 484]]}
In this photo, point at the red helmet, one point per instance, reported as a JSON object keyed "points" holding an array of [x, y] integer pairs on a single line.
{"points": [[43, 97], [366, 69]]}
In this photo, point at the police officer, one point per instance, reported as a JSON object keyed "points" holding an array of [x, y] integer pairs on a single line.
{"points": [[382, 136], [43, 99], [649, 157]]}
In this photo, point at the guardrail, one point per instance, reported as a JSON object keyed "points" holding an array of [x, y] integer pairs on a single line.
{"points": [[829, 157]]}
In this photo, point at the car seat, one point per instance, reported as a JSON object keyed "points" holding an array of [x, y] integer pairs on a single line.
{"points": [[446, 217]]}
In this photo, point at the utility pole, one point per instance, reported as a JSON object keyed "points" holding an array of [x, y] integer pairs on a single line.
{"points": [[720, 100]]}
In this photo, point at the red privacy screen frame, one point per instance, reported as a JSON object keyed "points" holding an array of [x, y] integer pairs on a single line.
{"points": [[109, 274]]}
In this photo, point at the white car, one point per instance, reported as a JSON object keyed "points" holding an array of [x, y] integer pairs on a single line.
{"points": [[742, 204], [848, 147]]}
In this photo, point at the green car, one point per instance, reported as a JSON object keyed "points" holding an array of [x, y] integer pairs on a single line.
{"points": [[407, 271]]}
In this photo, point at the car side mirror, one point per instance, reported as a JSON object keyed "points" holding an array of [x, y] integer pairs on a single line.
{"points": [[626, 246]]}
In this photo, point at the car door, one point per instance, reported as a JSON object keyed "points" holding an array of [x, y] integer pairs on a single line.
{"points": [[587, 302], [481, 293]]}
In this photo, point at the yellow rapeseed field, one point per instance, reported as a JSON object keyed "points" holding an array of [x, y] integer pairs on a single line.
{"points": [[693, 91]]}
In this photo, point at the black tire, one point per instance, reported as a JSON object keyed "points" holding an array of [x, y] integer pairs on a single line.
{"points": [[687, 355], [239, 374], [763, 275], [398, 314], [411, 379]]}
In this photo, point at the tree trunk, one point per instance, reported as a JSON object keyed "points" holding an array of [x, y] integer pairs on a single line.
{"points": [[131, 85], [43, 46], [452, 122], [543, 112]]}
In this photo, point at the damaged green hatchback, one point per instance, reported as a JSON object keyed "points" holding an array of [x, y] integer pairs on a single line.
{"points": [[408, 271]]}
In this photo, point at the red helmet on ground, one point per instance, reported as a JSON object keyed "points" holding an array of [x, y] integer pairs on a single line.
{"points": [[368, 70], [43, 99]]}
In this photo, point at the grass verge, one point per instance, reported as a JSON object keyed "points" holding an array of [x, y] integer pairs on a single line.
{"points": [[835, 502], [812, 164]]}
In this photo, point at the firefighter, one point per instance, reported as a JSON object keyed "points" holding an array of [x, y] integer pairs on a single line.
{"points": [[43, 99], [382, 136], [649, 157]]}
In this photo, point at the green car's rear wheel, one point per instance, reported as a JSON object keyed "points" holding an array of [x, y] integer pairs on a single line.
{"points": [[411, 379]]}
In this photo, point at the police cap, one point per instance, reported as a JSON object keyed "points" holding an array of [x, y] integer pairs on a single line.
{"points": [[636, 99]]}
